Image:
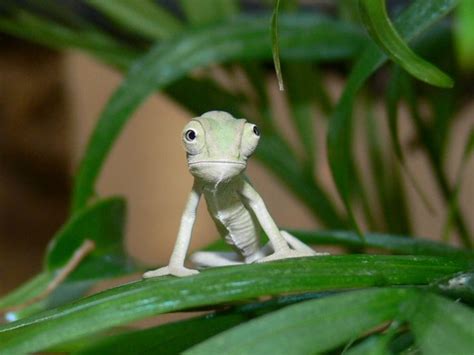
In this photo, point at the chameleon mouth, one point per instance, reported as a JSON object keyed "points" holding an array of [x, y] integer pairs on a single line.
{"points": [[226, 162]]}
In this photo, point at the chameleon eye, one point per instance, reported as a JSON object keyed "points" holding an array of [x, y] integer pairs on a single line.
{"points": [[190, 135], [256, 131]]}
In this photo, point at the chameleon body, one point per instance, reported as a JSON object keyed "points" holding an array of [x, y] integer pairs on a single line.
{"points": [[217, 147]]}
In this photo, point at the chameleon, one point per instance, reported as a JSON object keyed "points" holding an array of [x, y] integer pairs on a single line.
{"points": [[217, 149]]}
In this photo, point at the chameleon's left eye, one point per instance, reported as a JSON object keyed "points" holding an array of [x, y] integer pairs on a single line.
{"points": [[256, 131], [190, 135], [250, 138]]}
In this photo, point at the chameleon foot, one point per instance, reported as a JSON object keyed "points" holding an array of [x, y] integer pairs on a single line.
{"points": [[179, 271]]}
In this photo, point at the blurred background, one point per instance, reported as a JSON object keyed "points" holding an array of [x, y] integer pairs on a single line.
{"points": [[49, 103]]}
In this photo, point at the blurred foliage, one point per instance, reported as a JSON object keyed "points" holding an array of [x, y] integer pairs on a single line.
{"points": [[387, 57]]}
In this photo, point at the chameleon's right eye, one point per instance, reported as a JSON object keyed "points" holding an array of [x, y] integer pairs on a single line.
{"points": [[190, 135], [193, 137]]}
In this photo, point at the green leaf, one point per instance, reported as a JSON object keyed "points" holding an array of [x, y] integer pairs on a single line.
{"points": [[442, 326], [395, 243], [64, 293], [464, 33], [174, 338], [103, 223], [197, 95], [208, 11], [276, 45], [374, 345], [145, 298], [310, 327], [300, 80], [48, 33], [388, 184], [170, 61], [453, 206], [393, 96], [375, 18], [398, 85], [171, 338], [28, 290], [141, 16], [414, 20]]}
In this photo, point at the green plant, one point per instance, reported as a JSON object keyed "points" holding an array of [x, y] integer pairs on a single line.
{"points": [[407, 301]]}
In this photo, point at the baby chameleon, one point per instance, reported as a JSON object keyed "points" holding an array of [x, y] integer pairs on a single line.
{"points": [[218, 146]]}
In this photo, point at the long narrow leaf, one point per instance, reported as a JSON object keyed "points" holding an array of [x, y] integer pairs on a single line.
{"points": [[173, 338], [48, 33], [375, 17], [143, 299], [28, 290], [312, 326], [300, 80], [141, 16], [395, 243], [208, 11]]}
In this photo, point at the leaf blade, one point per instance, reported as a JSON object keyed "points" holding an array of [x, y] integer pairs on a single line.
{"points": [[153, 296], [442, 326], [141, 16], [376, 20], [312, 326]]}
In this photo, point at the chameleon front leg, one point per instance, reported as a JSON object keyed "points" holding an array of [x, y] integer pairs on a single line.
{"points": [[280, 246], [176, 264]]}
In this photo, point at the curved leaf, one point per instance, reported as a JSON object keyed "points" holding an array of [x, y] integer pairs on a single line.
{"points": [[305, 36], [100, 45], [311, 327], [142, 16], [441, 326], [29, 289], [173, 338], [375, 18], [414, 20], [145, 298], [103, 222], [208, 11]]}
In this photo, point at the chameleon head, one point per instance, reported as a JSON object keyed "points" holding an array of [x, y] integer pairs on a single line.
{"points": [[218, 145]]}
